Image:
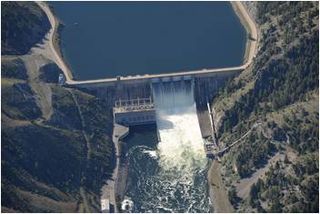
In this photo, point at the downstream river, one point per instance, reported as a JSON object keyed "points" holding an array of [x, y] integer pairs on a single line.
{"points": [[168, 165], [155, 185], [106, 39]]}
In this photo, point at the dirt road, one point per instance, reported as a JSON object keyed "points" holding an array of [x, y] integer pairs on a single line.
{"points": [[55, 56], [217, 191], [251, 28]]}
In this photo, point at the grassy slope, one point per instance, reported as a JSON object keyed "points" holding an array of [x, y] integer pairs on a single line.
{"points": [[281, 91], [45, 162]]}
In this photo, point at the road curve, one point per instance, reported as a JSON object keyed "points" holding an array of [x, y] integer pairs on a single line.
{"points": [[68, 75], [245, 16]]}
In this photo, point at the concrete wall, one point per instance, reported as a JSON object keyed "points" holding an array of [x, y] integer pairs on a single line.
{"points": [[206, 86], [113, 92], [135, 118]]}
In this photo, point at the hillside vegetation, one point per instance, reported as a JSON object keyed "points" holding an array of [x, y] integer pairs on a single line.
{"points": [[281, 91], [23, 25], [49, 163], [45, 163]]}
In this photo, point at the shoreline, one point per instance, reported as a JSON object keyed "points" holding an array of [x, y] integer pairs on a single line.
{"points": [[57, 43], [247, 29], [53, 41], [245, 19], [217, 191], [251, 29]]}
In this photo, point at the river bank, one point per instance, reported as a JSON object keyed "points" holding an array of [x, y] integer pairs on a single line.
{"points": [[218, 193]]}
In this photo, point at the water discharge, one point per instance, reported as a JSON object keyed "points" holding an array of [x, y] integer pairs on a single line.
{"points": [[180, 143], [172, 176]]}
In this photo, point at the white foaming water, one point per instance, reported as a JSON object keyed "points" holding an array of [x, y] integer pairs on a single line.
{"points": [[181, 143], [172, 177], [151, 153]]}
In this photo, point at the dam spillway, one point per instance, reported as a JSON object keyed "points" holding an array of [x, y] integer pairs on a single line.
{"points": [[172, 178], [177, 121], [176, 113]]}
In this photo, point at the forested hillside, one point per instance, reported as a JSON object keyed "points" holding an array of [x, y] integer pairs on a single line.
{"points": [[23, 24], [278, 161]]}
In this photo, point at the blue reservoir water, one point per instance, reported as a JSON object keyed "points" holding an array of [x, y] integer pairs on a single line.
{"points": [[106, 39]]}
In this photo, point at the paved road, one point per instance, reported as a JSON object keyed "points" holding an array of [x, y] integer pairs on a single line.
{"points": [[151, 76]]}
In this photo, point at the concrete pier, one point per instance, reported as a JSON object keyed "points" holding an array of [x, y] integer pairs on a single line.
{"points": [[109, 191]]}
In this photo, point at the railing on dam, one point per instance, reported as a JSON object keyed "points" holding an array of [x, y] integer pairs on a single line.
{"points": [[133, 104], [147, 78], [134, 111]]}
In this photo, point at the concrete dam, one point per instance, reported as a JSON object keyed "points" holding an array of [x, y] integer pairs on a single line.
{"points": [[135, 98], [135, 102]]}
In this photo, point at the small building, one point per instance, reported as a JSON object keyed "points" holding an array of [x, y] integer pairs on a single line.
{"points": [[61, 79], [210, 149], [134, 112], [105, 206]]}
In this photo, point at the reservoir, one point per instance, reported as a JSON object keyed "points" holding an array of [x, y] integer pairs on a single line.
{"points": [[107, 39]]}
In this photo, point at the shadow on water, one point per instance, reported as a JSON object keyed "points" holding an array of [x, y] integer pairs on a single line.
{"points": [[143, 135]]}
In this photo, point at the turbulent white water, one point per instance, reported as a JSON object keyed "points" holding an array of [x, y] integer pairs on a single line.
{"points": [[181, 142], [171, 177]]}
